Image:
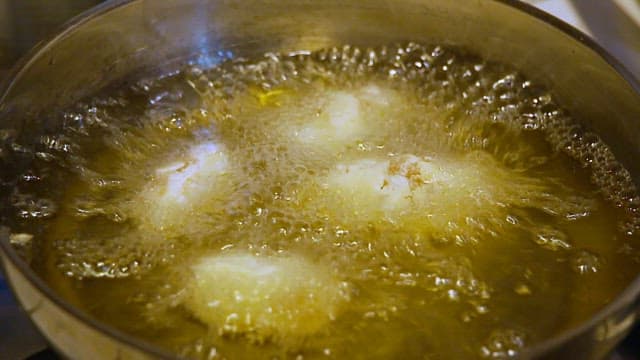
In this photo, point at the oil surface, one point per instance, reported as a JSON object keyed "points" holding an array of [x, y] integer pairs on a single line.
{"points": [[404, 201]]}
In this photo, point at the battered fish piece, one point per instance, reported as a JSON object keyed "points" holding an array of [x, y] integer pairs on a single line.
{"points": [[453, 197], [264, 298], [346, 116], [184, 190]]}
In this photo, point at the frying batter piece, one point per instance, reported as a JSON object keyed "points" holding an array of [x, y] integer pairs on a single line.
{"points": [[345, 116], [185, 189], [285, 298], [452, 196]]}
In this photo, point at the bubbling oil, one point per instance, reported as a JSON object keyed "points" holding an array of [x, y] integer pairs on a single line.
{"points": [[402, 201]]}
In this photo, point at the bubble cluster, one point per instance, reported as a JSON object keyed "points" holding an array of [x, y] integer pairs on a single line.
{"points": [[503, 344], [117, 258]]}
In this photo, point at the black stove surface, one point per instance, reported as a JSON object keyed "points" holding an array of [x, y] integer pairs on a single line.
{"points": [[22, 24]]}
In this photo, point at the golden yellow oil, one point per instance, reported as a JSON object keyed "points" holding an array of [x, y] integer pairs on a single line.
{"points": [[411, 201]]}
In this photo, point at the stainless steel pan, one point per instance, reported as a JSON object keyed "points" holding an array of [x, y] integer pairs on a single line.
{"points": [[120, 38]]}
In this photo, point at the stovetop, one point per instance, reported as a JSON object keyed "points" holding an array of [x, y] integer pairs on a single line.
{"points": [[615, 24]]}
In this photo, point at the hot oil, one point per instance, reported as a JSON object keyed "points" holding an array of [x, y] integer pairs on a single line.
{"points": [[499, 223]]}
